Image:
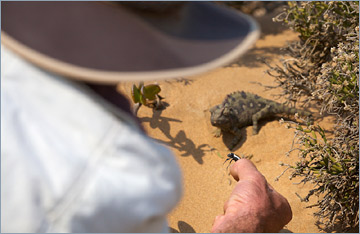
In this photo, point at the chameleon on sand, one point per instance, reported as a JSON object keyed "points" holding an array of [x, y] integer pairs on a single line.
{"points": [[240, 109]]}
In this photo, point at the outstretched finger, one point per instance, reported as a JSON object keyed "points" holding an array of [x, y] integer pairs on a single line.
{"points": [[243, 169]]}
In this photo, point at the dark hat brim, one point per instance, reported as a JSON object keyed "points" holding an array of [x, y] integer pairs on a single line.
{"points": [[104, 43]]}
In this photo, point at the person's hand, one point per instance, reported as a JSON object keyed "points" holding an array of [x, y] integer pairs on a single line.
{"points": [[254, 205]]}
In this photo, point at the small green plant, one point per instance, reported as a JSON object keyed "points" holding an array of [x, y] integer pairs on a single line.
{"points": [[323, 69], [147, 95]]}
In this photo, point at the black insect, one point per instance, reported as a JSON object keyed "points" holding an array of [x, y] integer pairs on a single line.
{"points": [[232, 157]]}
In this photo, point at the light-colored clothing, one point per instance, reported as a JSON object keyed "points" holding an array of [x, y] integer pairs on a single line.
{"points": [[70, 162]]}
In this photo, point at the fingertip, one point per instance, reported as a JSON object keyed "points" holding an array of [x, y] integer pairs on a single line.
{"points": [[242, 168]]}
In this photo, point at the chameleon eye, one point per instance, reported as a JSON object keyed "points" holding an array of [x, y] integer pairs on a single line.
{"points": [[228, 111]]}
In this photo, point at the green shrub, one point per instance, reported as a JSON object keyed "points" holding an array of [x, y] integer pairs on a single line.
{"points": [[324, 68]]}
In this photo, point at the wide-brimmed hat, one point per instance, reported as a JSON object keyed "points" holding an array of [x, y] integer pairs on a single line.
{"points": [[109, 42]]}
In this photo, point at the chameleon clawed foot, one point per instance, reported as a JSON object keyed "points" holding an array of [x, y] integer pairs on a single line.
{"points": [[217, 132]]}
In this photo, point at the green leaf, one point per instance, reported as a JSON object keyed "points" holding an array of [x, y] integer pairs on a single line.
{"points": [[150, 91], [135, 94]]}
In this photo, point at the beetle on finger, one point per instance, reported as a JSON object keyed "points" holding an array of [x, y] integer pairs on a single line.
{"points": [[232, 157]]}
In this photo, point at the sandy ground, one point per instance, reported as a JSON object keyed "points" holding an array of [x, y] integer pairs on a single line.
{"points": [[184, 126]]}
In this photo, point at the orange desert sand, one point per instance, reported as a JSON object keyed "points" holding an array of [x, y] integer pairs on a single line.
{"points": [[184, 126]]}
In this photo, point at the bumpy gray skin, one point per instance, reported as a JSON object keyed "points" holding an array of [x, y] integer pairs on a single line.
{"points": [[241, 109]]}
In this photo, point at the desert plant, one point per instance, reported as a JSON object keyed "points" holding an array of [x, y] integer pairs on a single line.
{"points": [[322, 67], [147, 95], [332, 166]]}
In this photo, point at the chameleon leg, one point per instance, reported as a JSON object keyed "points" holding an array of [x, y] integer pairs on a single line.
{"points": [[236, 139], [217, 132], [258, 115]]}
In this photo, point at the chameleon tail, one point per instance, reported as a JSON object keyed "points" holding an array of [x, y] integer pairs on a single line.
{"points": [[293, 111]]}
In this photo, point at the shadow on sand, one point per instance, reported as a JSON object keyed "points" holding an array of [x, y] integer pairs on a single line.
{"points": [[180, 141], [183, 228]]}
